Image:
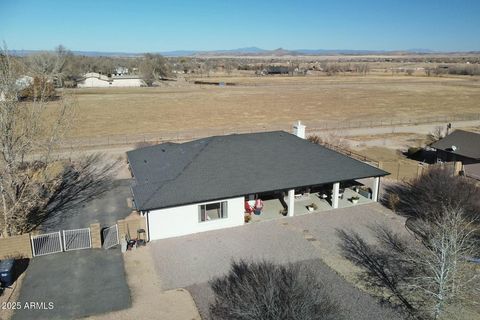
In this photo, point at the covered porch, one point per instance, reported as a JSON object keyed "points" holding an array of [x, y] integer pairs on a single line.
{"points": [[307, 200]]}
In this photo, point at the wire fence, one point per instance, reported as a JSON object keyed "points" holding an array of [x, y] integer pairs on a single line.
{"points": [[312, 127], [353, 154]]}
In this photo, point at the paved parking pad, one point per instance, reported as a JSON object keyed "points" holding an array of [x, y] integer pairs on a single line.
{"points": [[74, 284]]}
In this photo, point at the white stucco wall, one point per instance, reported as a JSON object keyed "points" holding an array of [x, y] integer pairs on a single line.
{"points": [[101, 81], [93, 82], [128, 83], [183, 220]]}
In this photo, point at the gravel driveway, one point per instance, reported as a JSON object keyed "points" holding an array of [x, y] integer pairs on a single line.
{"points": [[353, 303], [191, 261], [197, 258]]}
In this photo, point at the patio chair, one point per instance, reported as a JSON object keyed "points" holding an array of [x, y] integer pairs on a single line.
{"points": [[248, 208]]}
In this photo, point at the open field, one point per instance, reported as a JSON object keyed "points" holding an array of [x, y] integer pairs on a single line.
{"points": [[269, 102]]}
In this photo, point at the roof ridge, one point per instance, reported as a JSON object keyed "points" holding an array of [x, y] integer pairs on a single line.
{"points": [[181, 172]]}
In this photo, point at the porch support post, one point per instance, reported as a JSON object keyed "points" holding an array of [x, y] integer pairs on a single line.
{"points": [[376, 188], [335, 193], [291, 202]]}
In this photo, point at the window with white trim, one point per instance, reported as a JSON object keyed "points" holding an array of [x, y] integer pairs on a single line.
{"points": [[212, 211]]}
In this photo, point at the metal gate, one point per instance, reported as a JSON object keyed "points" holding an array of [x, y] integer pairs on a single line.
{"points": [[47, 243], [77, 239], [110, 237]]}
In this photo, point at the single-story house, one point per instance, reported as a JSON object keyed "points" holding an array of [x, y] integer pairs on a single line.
{"points": [[97, 80], [202, 185], [463, 146]]}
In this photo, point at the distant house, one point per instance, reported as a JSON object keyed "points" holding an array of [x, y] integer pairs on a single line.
{"points": [[121, 71], [21, 84], [97, 80], [463, 146], [208, 184], [274, 70]]}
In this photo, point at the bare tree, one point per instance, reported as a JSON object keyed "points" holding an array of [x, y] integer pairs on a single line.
{"points": [[35, 184], [153, 67], [437, 134], [264, 290], [427, 276]]}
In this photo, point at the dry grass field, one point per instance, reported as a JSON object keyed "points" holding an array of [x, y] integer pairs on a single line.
{"points": [[270, 102]]}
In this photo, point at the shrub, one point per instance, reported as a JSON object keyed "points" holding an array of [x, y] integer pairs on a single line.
{"points": [[412, 151], [264, 290], [40, 89], [431, 193], [315, 139]]}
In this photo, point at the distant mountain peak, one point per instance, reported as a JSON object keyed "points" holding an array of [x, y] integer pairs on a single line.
{"points": [[249, 51]]}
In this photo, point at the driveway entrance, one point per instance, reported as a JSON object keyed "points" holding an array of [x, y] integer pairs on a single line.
{"points": [[78, 284]]}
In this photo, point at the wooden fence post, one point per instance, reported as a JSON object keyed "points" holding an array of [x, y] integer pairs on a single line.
{"points": [[457, 167], [419, 171], [95, 235]]}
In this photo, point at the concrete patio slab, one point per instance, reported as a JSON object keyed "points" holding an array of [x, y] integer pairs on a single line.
{"points": [[273, 207]]}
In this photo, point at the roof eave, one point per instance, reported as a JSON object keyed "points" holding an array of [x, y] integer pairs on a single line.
{"points": [[257, 191]]}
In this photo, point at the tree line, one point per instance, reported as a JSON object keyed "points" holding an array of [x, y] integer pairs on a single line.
{"points": [[69, 67], [38, 187]]}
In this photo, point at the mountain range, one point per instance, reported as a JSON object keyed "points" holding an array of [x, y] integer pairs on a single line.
{"points": [[254, 51]]}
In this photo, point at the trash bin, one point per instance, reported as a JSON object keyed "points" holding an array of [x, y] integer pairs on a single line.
{"points": [[6, 272]]}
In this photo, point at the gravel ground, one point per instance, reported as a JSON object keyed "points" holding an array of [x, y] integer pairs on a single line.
{"points": [[191, 261], [320, 230], [197, 258], [353, 303]]}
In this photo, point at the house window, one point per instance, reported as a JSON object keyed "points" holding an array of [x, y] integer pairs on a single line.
{"points": [[212, 211]]}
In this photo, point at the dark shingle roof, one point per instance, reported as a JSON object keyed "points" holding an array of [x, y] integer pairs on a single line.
{"points": [[220, 167], [467, 144], [472, 170]]}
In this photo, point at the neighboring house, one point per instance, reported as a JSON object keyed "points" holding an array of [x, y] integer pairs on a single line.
{"points": [[121, 71], [97, 80], [462, 146], [21, 83], [277, 70], [204, 184], [274, 70]]}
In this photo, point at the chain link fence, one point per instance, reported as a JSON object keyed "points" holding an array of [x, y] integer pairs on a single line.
{"points": [[159, 137]]}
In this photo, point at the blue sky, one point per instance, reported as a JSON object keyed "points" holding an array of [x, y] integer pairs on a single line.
{"points": [[141, 26]]}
